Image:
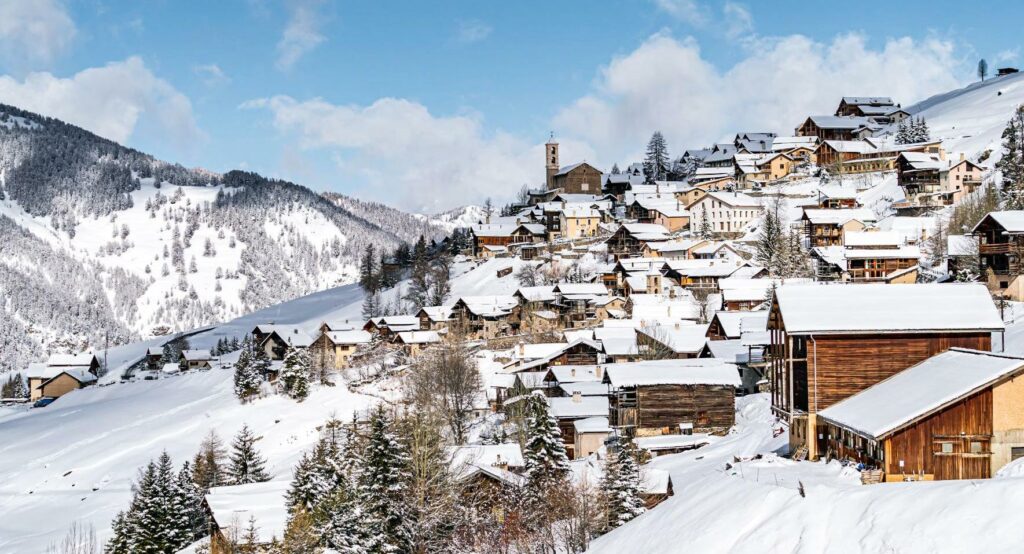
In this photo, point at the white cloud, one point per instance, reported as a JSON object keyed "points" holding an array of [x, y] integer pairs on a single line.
{"points": [[211, 74], [302, 33], [666, 84], [396, 151], [111, 101], [472, 30], [33, 31], [738, 20], [687, 11], [1008, 55]]}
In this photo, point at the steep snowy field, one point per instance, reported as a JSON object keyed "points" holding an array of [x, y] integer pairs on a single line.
{"points": [[756, 506], [971, 120], [76, 459]]}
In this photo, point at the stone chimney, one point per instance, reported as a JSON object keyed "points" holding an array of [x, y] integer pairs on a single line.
{"points": [[961, 156], [577, 397], [499, 463], [677, 326], [572, 371], [522, 348], [597, 372]]}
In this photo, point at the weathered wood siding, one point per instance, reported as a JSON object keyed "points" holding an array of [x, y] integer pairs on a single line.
{"points": [[919, 445], [848, 364], [711, 408]]}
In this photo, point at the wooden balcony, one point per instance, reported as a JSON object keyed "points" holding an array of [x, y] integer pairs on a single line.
{"points": [[995, 248]]}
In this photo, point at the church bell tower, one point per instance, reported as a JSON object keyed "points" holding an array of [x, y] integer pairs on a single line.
{"points": [[551, 161]]}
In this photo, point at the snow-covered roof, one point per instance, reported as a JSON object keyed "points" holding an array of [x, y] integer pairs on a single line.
{"points": [[584, 406], [489, 306], [789, 143], [532, 379], [585, 388], [688, 338], [729, 350], [903, 252], [851, 146], [646, 231], [883, 308], [84, 358], [824, 216], [196, 355], [488, 454], [349, 337], [921, 390], [437, 313], [597, 289], [665, 442], [291, 334], [567, 168], [419, 337], [542, 293], [232, 507], [78, 373], [839, 122], [656, 307], [732, 199], [854, 239], [693, 371], [731, 322], [1012, 221], [598, 424], [575, 373], [961, 245]]}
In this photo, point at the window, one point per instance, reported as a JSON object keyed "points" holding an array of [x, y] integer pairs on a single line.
{"points": [[947, 448], [977, 447], [1016, 452]]}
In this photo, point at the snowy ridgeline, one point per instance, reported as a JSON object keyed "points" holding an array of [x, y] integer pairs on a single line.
{"points": [[98, 249]]}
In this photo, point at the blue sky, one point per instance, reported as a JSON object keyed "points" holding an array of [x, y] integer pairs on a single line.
{"points": [[431, 105]]}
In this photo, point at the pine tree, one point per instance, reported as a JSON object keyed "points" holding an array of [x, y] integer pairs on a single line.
{"points": [[769, 247], [162, 522], [247, 466], [923, 133], [121, 541], [1011, 165], [247, 378], [656, 160], [382, 481], [189, 505], [623, 488], [547, 464], [208, 469], [903, 132], [704, 231], [295, 374], [615, 169]]}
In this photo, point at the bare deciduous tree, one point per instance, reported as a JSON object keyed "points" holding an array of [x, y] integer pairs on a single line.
{"points": [[80, 539], [446, 380]]}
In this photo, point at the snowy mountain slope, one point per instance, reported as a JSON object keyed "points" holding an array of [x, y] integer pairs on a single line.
{"points": [[405, 226], [75, 460], [160, 247], [971, 120], [463, 217], [756, 506]]}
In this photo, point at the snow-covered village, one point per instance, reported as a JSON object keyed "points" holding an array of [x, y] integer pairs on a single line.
{"points": [[732, 278]]}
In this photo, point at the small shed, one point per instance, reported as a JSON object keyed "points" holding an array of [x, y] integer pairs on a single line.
{"points": [[654, 397]]}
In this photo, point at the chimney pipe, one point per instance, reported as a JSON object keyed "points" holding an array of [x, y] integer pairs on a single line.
{"points": [[577, 397]]}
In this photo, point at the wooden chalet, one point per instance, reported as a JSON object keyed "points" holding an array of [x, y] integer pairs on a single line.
{"points": [[196, 359], [630, 238], [387, 326], [956, 415], [1001, 246], [829, 342], [275, 340], [434, 318], [837, 198], [830, 127], [486, 317], [502, 235], [827, 227], [335, 349], [568, 410], [413, 343], [656, 397]]}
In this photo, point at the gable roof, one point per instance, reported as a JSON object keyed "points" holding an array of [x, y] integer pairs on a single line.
{"points": [[919, 390], [196, 355], [1012, 221], [733, 199], [693, 371], [824, 216], [568, 168], [681, 338], [881, 308], [355, 336], [64, 360], [585, 406]]}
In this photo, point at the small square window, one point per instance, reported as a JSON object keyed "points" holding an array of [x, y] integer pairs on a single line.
{"points": [[977, 447], [947, 448]]}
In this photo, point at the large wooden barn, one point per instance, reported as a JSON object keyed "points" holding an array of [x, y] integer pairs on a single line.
{"points": [[829, 342], [655, 397], [956, 415]]}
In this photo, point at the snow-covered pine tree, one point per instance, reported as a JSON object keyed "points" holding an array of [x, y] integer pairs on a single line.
{"points": [[656, 159], [159, 526], [121, 541], [260, 367], [382, 485], [627, 501], [771, 236], [247, 466], [924, 134], [208, 465], [189, 505], [1011, 165], [295, 374], [704, 231], [903, 132], [547, 464], [244, 382]]}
